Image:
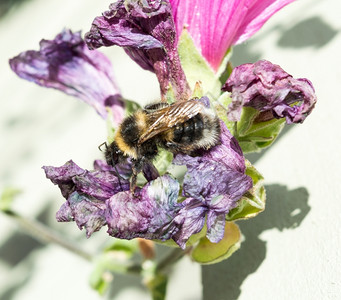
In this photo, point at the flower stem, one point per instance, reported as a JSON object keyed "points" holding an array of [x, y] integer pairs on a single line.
{"points": [[171, 259], [45, 235]]}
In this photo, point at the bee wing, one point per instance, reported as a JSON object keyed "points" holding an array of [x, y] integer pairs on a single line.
{"points": [[170, 116]]}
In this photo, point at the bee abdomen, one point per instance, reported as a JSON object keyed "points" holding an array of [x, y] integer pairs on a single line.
{"points": [[190, 131]]}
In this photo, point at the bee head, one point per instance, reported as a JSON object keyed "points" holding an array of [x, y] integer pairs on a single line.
{"points": [[113, 154]]}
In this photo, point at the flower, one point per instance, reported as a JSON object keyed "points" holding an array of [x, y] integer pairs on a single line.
{"points": [[213, 184], [146, 31], [98, 198], [216, 25], [215, 180], [267, 87], [66, 64]]}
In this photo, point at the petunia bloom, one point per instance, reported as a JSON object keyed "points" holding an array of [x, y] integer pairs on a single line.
{"points": [[268, 88], [65, 63], [146, 31], [217, 25]]}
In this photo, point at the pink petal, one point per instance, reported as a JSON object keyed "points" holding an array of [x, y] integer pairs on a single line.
{"points": [[216, 25]]}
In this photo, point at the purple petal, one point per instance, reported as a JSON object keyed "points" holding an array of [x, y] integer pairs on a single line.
{"points": [[62, 176], [123, 169], [66, 64], [146, 31], [150, 172], [228, 153], [87, 212], [215, 226], [148, 214], [189, 220], [217, 176], [100, 185], [267, 87], [64, 214], [216, 25]]}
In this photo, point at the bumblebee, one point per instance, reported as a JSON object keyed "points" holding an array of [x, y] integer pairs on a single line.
{"points": [[181, 127]]}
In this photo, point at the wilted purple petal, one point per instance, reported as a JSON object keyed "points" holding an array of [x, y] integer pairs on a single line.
{"points": [[216, 25], [87, 212], [145, 29], [86, 193], [66, 64], [100, 185], [218, 171], [215, 180], [123, 169], [62, 176], [150, 172], [189, 220], [215, 226], [148, 214], [267, 87], [64, 214]]}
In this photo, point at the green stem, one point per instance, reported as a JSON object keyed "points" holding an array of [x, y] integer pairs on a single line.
{"points": [[46, 235], [171, 259]]}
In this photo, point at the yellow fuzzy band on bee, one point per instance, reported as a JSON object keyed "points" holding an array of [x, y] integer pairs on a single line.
{"points": [[141, 120], [128, 151]]}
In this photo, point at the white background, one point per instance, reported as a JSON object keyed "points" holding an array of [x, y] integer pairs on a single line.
{"points": [[291, 251]]}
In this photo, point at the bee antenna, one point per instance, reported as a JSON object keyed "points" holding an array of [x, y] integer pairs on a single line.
{"points": [[100, 146]]}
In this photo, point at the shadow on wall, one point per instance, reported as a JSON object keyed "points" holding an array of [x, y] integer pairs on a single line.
{"points": [[17, 250], [285, 210], [312, 32], [7, 5]]}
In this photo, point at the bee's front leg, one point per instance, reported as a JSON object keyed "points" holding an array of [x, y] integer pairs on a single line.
{"points": [[137, 165]]}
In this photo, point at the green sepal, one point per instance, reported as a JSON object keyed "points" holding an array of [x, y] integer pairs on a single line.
{"points": [[225, 68], [163, 160], [254, 135], [221, 106], [198, 90], [7, 198], [170, 95], [114, 259], [130, 108], [253, 201], [207, 252], [196, 68], [158, 286]]}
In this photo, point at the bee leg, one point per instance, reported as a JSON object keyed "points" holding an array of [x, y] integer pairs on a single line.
{"points": [[136, 168], [133, 183]]}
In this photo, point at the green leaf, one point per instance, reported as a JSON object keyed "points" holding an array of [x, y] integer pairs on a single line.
{"points": [[158, 286], [252, 202], [7, 197], [207, 252], [100, 281], [196, 68], [114, 259], [254, 135]]}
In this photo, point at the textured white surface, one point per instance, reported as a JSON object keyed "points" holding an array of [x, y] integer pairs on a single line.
{"points": [[291, 251]]}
